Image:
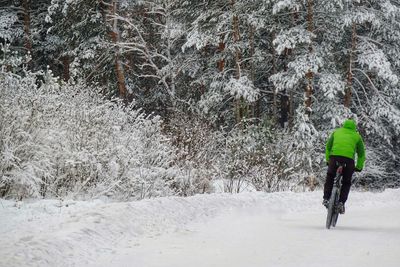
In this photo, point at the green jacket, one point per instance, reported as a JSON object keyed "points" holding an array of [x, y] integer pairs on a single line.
{"points": [[345, 142]]}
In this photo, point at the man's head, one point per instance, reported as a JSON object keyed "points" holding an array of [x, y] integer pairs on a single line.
{"points": [[350, 124]]}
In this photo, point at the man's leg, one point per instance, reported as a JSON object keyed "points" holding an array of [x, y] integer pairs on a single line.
{"points": [[346, 183], [330, 176]]}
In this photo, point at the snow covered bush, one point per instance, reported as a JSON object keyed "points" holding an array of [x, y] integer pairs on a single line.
{"points": [[244, 151], [248, 157], [198, 150], [262, 159], [58, 139]]}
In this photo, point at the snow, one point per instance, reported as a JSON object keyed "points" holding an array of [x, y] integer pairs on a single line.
{"points": [[292, 38], [242, 88], [249, 229]]}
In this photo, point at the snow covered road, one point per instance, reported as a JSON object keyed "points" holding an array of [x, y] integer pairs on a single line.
{"points": [[252, 229], [363, 238]]}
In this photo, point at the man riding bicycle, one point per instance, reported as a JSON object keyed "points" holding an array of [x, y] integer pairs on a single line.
{"points": [[341, 148]]}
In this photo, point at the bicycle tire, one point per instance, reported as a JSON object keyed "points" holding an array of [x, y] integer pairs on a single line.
{"points": [[334, 219], [335, 215], [331, 208]]}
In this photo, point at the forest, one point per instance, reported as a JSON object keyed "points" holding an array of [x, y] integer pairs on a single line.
{"points": [[135, 99]]}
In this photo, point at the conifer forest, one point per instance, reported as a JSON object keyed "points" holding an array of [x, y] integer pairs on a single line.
{"points": [[135, 99]]}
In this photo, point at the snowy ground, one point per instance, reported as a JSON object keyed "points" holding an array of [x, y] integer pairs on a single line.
{"points": [[250, 229]]}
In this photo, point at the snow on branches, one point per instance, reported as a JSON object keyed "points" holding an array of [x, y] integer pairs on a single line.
{"points": [[58, 140], [375, 60], [242, 88], [285, 4], [331, 85], [290, 39]]}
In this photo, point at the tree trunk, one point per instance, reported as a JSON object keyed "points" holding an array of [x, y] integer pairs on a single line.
{"points": [[119, 69], [66, 62], [310, 74], [221, 61], [168, 24], [291, 109], [255, 107], [236, 39], [27, 27], [348, 92], [274, 71], [285, 103], [286, 99], [284, 109]]}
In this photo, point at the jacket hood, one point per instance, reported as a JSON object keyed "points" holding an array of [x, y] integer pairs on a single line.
{"points": [[349, 124]]}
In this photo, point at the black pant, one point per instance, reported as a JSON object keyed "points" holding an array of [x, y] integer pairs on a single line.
{"points": [[330, 177]]}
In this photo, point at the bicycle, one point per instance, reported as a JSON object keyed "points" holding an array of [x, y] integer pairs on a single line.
{"points": [[333, 211]]}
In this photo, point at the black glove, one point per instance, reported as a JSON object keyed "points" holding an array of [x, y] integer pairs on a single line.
{"points": [[358, 170]]}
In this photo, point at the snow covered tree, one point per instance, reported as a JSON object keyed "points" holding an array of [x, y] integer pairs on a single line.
{"points": [[87, 36], [24, 28], [225, 31], [298, 42], [153, 36]]}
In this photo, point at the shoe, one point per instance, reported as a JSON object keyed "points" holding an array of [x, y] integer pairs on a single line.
{"points": [[325, 202], [341, 208]]}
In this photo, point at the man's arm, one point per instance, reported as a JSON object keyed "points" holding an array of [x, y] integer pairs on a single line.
{"points": [[360, 154], [328, 148]]}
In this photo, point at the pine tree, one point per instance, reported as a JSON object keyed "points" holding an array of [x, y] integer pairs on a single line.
{"points": [[88, 33]]}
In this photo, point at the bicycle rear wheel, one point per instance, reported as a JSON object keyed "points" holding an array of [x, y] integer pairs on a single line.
{"points": [[332, 213], [335, 215]]}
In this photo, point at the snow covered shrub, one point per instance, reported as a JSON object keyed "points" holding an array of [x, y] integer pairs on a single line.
{"points": [[267, 162], [25, 141], [112, 149], [198, 149], [243, 162], [375, 174], [67, 139], [245, 158]]}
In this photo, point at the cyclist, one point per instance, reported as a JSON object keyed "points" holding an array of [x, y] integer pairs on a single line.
{"points": [[341, 148]]}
